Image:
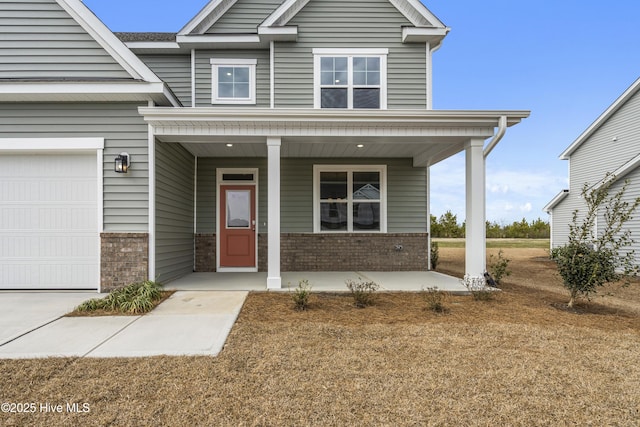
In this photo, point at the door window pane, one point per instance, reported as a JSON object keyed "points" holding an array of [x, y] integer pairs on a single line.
{"points": [[333, 185], [238, 208]]}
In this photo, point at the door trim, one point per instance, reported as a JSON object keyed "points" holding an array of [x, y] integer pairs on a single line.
{"points": [[220, 172]]}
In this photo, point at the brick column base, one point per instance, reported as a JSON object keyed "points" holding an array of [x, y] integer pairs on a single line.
{"points": [[124, 259]]}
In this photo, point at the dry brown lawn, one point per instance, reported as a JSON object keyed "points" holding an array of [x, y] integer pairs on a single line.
{"points": [[517, 360]]}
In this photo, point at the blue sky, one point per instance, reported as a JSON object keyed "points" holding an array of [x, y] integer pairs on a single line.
{"points": [[566, 61]]}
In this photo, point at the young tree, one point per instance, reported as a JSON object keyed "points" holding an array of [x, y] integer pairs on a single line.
{"points": [[594, 257], [449, 224]]}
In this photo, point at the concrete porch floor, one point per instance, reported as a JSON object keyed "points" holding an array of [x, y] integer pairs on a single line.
{"points": [[321, 281]]}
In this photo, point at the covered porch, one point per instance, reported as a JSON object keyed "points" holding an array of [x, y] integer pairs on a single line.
{"points": [[266, 145], [324, 281]]}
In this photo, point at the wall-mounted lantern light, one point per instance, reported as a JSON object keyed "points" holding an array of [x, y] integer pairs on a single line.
{"points": [[123, 161]]}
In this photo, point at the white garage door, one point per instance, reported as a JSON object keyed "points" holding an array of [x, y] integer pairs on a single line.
{"points": [[48, 221]]}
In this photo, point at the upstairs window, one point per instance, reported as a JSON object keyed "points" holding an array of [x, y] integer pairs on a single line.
{"points": [[346, 78], [233, 81]]}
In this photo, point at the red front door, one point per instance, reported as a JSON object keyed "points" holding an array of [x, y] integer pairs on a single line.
{"points": [[237, 226]]}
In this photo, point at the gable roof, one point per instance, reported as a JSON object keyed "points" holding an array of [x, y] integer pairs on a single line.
{"points": [[555, 201], [613, 108], [141, 83], [275, 25]]}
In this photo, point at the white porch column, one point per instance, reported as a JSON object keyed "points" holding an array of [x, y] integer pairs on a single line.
{"points": [[274, 281], [475, 253]]}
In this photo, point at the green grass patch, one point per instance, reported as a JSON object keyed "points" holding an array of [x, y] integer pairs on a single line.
{"points": [[495, 243]]}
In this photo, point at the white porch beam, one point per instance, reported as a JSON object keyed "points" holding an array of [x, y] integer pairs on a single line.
{"points": [[274, 280], [475, 252]]}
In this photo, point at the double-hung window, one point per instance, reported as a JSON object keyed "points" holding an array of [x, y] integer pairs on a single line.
{"points": [[349, 198], [233, 81], [346, 78]]}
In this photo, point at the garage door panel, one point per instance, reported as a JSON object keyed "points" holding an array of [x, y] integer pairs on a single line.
{"points": [[49, 235], [51, 275]]}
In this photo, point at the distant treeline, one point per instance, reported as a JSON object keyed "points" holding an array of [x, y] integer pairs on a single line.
{"points": [[447, 226]]}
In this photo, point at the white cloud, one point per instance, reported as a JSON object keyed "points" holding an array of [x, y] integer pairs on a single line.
{"points": [[511, 194]]}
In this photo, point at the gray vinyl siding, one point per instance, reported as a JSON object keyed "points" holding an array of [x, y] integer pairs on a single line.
{"points": [[175, 71], [244, 17], [356, 24], [595, 157], [632, 192], [560, 220], [39, 40], [203, 75], [175, 168], [126, 196], [206, 213], [406, 193]]}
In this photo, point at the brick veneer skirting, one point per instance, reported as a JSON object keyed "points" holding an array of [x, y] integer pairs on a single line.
{"points": [[332, 252], [354, 252], [124, 259]]}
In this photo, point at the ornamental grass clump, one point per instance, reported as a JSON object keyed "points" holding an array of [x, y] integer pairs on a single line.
{"points": [[136, 298], [362, 291]]}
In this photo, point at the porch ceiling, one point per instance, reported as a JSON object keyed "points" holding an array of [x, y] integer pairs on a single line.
{"points": [[427, 136]]}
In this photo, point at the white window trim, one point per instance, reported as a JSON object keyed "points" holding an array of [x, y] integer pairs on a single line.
{"points": [[317, 169], [216, 63], [319, 53]]}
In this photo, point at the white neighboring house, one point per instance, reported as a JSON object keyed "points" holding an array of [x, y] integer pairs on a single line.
{"points": [[610, 145]]}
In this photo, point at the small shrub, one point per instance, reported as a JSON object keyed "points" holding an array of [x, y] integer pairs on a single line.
{"points": [[499, 266], [435, 299], [301, 295], [136, 298], [434, 255], [362, 292]]}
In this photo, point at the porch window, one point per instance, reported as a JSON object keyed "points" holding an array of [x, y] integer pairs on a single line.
{"points": [[346, 78], [349, 198], [233, 81]]}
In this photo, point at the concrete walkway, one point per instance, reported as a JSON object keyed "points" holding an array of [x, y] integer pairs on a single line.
{"points": [[188, 323]]}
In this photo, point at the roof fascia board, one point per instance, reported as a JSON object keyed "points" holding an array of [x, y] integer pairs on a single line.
{"points": [[152, 45], [619, 173], [423, 35], [248, 40], [458, 118], [417, 13], [554, 202], [108, 41], [208, 16], [284, 13], [156, 91], [630, 92], [413, 10]]}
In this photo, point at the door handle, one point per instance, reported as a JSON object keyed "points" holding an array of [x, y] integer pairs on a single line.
{"points": [[253, 224]]}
